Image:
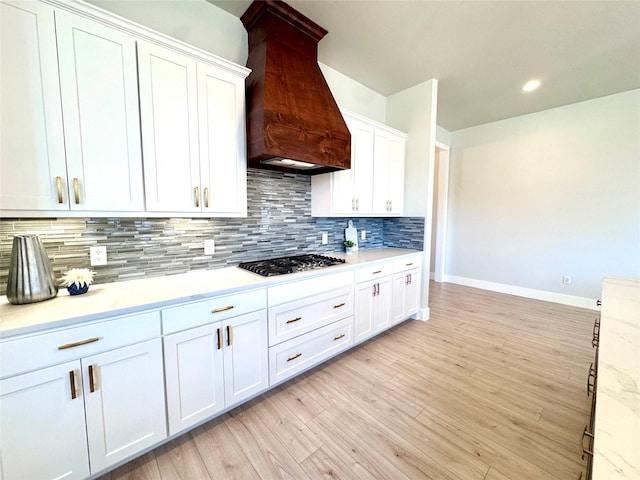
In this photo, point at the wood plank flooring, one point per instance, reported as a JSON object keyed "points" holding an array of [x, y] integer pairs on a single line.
{"points": [[492, 387]]}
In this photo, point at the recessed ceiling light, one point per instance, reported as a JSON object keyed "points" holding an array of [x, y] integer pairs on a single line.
{"points": [[531, 85]]}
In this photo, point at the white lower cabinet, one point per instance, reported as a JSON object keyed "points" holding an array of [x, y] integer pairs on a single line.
{"points": [[81, 416], [373, 301], [298, 354], [42, 426], [124, 401], [406, 288], [216, 365]]}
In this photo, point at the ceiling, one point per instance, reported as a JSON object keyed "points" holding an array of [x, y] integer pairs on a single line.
{"points": [[481, 52]]}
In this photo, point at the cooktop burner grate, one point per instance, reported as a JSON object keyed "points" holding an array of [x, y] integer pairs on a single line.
{"points": [[284, 265]]}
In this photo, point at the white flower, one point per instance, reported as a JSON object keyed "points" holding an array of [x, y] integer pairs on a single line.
{"points": [[79, 276]]}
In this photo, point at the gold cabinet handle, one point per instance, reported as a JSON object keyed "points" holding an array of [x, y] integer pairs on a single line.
{"points": [[206, 197], [229, 335], [76, 190], [197, 193], [222, 309], [408, 264], [219, 338], [357, 204], [353, 204], [72, 383], [410, 279], [294, 320], [378, 288], [59, 187], [406, 279], [585, 433], [339, 305], [377, 271], [339, 336], [374, 289], [294, 357], [92, 382], [77, 344]]}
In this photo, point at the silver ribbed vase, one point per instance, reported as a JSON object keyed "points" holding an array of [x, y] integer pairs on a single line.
{"points": [[31, 278]]}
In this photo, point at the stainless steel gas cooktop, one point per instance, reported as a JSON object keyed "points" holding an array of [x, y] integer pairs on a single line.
{"points": [[283, 265]]}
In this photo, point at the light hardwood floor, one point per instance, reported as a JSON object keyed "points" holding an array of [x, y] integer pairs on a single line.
{"points": [[492, 387]]}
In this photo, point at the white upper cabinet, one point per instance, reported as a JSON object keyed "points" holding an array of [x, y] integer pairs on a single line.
{"points": [[90, 102], [223, 158], [32, 147], [193, 134], [99, 87], [169, 113], [388, 172], [374, 186]]}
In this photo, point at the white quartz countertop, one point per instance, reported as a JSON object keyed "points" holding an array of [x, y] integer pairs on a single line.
{"points": [[617, 424], [156, 292]]}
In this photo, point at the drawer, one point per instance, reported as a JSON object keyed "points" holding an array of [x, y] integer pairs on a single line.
{"points": [[295, 318], [292, 357], [407, 263], [65, 344], [194, 314], [376, 271], [300, 289]]}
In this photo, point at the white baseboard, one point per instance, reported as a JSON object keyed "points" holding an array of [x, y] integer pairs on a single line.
{"points": [[544, 295]]}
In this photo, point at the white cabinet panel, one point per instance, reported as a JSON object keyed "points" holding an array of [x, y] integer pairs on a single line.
{"points": [[32, 148], [373, 307], [222, 141], [169, 113], [42, 428], [194, 375], [124, 401], [246, 368], [99, 87], [388, 181]]}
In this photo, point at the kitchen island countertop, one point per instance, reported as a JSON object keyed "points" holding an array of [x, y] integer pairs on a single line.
{"points": [[121, 298]]}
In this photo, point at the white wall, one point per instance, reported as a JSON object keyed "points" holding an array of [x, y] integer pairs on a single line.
{"points": [[195, 22], [554, 193], [414, 111]]}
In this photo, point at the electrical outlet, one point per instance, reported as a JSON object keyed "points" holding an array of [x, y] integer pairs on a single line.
{"points": [[566, 280], [325, 239], [363, 234], [98, 255], [209, 247]]}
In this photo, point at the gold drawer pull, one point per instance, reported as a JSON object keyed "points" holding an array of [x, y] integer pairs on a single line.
{"points": [[377, 271], [222, 309], [76, 191], [206, 197], [219, 338], [339, 336], [339, 305], [408, 264], [77, 344], [92, 382], [229, 335], [294, 357], [72, 382], [59, 187], [197, 195], [294, 320], [585, 433]]}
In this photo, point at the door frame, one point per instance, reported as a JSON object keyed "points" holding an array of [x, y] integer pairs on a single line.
{"points": [[442, 198]]}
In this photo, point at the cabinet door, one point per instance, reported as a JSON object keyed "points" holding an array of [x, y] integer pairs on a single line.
{"points": [[388, 176], [398, 292], [169, 116], [365, 310], [246, 369], [98, 77], [382, 304], [352, 189], [42, 426], [222, 141], [32, 148], [194, 375], [124, 401], [412, 293]]}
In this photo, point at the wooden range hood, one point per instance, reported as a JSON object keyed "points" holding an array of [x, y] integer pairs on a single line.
{"points": [[293, 121]]}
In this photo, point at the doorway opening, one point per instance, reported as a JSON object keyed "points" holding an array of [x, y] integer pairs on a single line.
{"points": [[439, 213]]}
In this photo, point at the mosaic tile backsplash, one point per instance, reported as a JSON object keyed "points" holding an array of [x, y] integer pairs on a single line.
{"points": [[278, 223]]}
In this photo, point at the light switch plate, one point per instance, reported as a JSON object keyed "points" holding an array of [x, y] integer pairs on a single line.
{"points": [[363, 234], [325, 239], [98, 255]]}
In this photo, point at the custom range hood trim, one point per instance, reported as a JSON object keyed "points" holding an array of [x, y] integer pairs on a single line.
{"points": [[293, 121]]}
